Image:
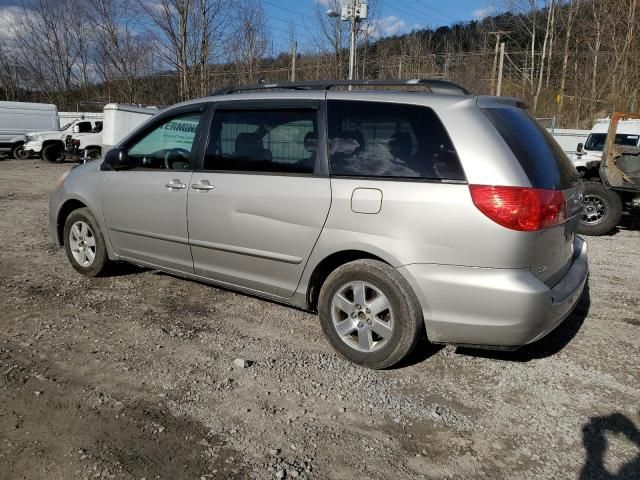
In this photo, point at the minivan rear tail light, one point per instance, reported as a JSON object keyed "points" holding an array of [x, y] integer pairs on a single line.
{"points": [[520, 208]]}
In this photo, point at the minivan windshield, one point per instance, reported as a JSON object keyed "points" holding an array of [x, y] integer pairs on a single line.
{"points": [[540, 156], [596, 141]]}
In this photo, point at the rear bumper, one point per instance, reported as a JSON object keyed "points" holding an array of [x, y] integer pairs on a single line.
{"points": [[494, 307]]}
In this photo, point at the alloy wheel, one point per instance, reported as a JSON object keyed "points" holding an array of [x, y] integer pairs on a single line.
{"points": [[594, 210], [362, 316], [82, 243]]}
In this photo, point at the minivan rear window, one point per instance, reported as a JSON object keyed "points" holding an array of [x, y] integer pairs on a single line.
{"points": [[389, 140], [540, 156]]}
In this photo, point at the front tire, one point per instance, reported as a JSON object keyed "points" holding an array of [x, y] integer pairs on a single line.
{"points": [[84, 243], [369, 314], [602, 210], [53, 153]]}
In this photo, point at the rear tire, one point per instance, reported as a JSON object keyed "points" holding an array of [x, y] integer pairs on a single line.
{"points": [[369, 314], [93, 154], [602, 210], [19, 153], [84, 243], [53, 153]]}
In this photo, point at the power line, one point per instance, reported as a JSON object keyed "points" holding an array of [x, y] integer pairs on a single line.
{"points": [[423, 2], [283, 30], [274, 5], [303, 31], [410, 14], [304, 28], [421, 12]]}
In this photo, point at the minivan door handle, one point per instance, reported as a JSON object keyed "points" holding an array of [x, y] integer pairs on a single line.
{"points": [[175, 184], [202, 186]]}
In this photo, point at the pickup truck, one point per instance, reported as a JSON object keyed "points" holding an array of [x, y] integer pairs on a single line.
{"points": [[587, 156], [86, 146], [50, 145], [612, 178]]}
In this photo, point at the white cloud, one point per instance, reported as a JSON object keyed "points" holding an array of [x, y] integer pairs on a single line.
{"points": [[9, 18], [483, 12], [327, 3], [386, 26]]}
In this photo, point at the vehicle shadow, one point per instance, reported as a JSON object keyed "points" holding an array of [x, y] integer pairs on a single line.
{"points": [[546, 346], [629, 222], [121, 269], [422, 352], [595, 444]]}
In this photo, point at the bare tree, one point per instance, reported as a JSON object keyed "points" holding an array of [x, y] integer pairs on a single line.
{"points": [[333, 34], [596, 9], [8, 75], [187, 32], [249, 40], [51, 49], [122, 51], [543, 55], [571, 15]]}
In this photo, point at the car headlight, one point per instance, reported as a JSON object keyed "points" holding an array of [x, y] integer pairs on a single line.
{"points": [[61, 179]]}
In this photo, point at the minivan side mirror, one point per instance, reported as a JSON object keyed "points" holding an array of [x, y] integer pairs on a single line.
{"points": [[580, 147], [117, 159], [76, 129]]}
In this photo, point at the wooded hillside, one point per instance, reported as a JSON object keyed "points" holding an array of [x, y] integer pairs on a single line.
{"points": [[575, 60]]}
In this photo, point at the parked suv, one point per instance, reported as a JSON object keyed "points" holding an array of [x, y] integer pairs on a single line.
{"points": [[392, 214]]}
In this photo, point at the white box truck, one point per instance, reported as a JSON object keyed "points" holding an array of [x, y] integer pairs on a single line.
{"points": [[19, 118]]}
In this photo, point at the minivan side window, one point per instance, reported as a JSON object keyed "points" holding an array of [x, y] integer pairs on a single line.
{"points": [[273, 140], [168, 145], [388, 140]]}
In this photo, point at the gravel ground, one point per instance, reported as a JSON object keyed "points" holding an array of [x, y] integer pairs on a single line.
{"points": [[135, 376]]}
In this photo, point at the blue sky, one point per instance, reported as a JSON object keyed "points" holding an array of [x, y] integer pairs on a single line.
{"points": [[394, 16]]}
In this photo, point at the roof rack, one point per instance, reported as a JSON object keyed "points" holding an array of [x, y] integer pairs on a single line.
{"points": [[433, 86]]}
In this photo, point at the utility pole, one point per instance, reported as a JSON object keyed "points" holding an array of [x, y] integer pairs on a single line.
{"points": [[495, 63], [352, 46], [353, 13], [501, 64], [294, 53], [496, 52]]}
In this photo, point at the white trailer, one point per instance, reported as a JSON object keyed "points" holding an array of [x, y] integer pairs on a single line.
{"points": [[568, 138], [120, 120]]}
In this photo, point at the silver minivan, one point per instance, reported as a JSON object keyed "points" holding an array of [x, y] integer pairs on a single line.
{"points": [[393, 214]]}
